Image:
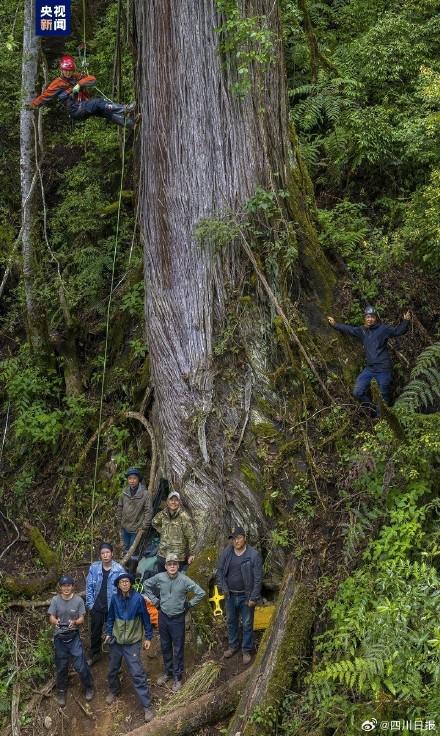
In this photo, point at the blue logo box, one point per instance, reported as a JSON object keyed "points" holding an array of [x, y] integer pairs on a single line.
{"points": [[52, 18]]}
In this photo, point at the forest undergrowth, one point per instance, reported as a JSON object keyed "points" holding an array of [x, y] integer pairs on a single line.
{"points": [[354, 500]]}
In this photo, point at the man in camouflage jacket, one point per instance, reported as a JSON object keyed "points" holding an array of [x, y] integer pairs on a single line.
{"points": [[176, 533]]}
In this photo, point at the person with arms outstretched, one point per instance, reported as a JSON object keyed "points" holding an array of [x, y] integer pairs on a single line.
{"points": [[374, 337], [71, 89]]}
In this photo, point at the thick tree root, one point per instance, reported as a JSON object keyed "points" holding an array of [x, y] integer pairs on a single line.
{"points": [[279, 657], [31, 585], [210, 708]]}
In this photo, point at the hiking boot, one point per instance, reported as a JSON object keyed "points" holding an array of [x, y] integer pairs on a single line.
{"points": [[163, 679], [60, 698], [229, 652], [111, 697], [246, 657], [177, 684], [90, 693], [148, 715]]}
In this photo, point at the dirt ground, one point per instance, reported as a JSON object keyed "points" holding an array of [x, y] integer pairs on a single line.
{"points": [[97, 718]]}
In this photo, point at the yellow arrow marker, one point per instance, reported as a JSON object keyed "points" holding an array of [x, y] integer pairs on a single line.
{"points": [[216, 598]]}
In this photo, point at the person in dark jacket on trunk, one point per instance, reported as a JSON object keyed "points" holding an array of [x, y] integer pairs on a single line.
{"points": [[374, 337], [239, 577]]}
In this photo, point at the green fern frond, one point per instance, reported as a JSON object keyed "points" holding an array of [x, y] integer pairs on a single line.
{"points": [[424, 386]]}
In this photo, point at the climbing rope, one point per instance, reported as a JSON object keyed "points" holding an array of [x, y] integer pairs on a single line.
{"points": [[104, 367]]}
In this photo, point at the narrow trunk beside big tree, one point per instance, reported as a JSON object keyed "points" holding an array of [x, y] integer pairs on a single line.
{"points": [[37, 331], [204, 150]]}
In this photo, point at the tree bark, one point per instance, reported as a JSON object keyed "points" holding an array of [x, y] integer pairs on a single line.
{"points": [[210, 708], [203, 152], [279, 657], [37, 330]]}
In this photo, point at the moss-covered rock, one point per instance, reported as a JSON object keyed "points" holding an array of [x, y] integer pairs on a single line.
{"points": [[202, 571]]}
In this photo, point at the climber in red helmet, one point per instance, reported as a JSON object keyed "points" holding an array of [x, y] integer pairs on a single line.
{"points": [[71, 89]]}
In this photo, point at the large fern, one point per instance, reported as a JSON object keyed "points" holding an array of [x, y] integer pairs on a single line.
{"points": [[423, 389]]}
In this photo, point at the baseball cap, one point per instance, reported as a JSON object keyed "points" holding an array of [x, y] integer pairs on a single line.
{"points": [[237, 531], [171, 557], [133, 471], [66, 580], [173, 494]]}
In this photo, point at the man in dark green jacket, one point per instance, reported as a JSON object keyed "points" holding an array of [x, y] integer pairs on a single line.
{"points": [[168, 591], [176, 533], [135, 508], [128, 623]]}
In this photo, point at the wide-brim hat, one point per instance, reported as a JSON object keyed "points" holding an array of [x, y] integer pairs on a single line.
{"points": [[123, 575]]}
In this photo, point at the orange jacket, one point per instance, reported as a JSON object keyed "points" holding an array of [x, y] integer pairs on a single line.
{"points": [[153, 613], [61, 87]]}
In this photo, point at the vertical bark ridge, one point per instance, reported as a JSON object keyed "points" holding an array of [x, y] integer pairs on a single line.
{"points": [[203, 149]]}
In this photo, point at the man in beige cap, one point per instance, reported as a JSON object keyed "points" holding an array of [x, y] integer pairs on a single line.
{"points": [[168, 591], [176, 533]]}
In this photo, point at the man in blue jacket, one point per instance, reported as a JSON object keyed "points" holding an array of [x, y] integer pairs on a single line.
{"points": [[128, 624], [99, 590], [239, 577], [374, 337]]}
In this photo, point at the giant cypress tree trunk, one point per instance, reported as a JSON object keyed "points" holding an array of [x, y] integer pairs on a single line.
{"points": [[204, 150]]}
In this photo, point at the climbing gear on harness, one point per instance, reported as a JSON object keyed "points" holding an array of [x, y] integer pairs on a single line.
{"points": [[67, 63], [216, 598]]}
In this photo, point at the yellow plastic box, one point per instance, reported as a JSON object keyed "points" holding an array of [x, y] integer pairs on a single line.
{"points": [[262, 617]]}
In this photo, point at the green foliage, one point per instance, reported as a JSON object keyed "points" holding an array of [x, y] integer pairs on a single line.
{"points": [[41, 413], [423, 390], [245, 40], [420, 231], [369, 125], [217, 232], [133, 300], [382, 643]]}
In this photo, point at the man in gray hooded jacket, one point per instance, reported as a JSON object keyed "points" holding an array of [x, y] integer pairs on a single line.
{"points": [[135, 508]]}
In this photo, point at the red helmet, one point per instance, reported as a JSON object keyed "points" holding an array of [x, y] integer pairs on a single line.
{"points": [[67, 63]]}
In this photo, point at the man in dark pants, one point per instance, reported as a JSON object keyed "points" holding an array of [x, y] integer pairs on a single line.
{"points": [[127, 622], [168, 591], [176, 533], [71, 90], [99, 590], [135, 508], [239, 577], [66, 614], [374, 337]]}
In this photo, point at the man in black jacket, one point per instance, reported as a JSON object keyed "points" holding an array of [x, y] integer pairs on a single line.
{"points": [[374, 337], [239, 576]]}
